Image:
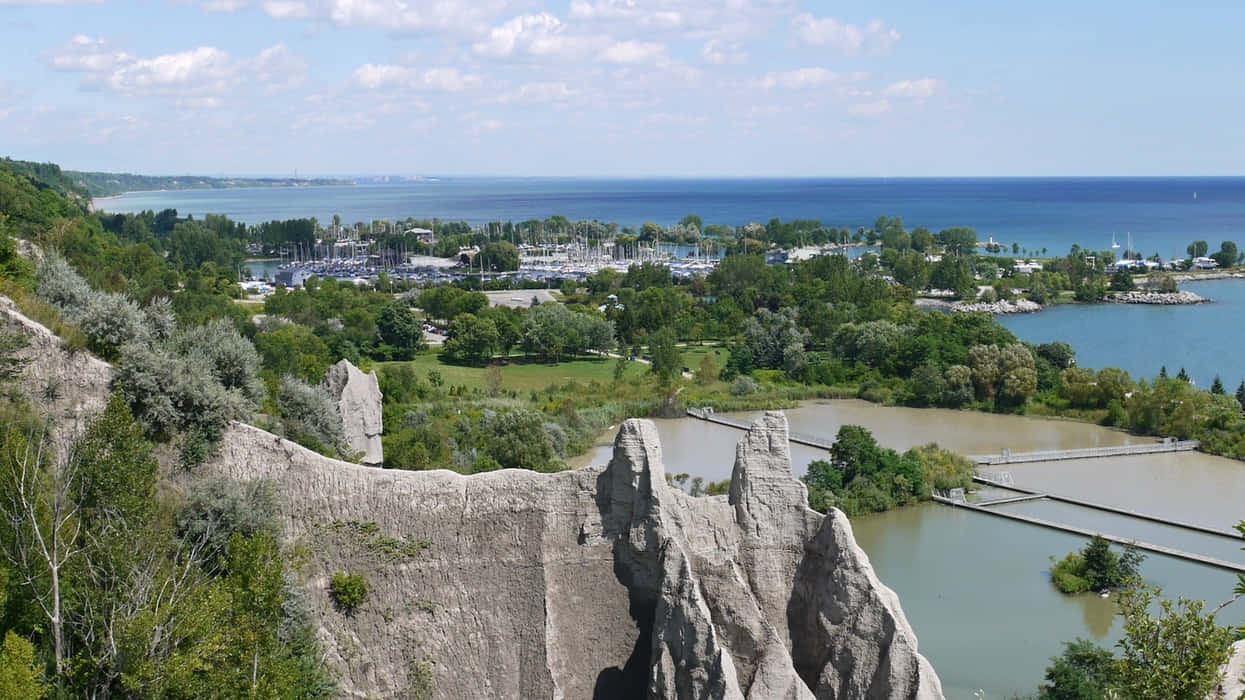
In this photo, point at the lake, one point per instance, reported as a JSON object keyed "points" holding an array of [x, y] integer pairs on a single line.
{"points": [[1141, 338], [1037, 213]]}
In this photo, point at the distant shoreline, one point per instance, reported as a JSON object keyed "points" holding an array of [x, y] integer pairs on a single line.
{"points": [[344, 183]]}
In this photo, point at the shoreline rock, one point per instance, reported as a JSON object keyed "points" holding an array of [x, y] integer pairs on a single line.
{"points": [[1160, 298], [1018, 306]]}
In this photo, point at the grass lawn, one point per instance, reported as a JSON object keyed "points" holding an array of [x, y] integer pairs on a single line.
{"points": [[520, 375], [692, 355]]}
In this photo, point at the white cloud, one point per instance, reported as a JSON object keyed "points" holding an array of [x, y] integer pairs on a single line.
{"points": [[848, 39], [225, 6], [287, 9], [538, 92], [646, 15], [47, 3], [798, 79], [201, 72], [869, 109], [540, 35], [921, 89], [404, 16], [674, 120], [634, 52], [719, 52], [375, 77]]}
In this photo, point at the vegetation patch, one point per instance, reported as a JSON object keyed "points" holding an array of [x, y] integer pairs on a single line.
{"points": [[1096, 568], [348, 591], [368, 535]]}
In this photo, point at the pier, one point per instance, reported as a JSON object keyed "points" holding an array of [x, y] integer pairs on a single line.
{"points": [[1147, 546], [1009, 457]]}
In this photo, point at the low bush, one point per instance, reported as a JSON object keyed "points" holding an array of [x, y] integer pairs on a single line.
{"points": [[348, 591]]}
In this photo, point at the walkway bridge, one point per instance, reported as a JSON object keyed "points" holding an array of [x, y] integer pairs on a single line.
{"points": [[707, 414], [1002, 480], [1008, 457]]}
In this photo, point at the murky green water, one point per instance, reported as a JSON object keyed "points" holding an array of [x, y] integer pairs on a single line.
{"points": [[976, 588]]}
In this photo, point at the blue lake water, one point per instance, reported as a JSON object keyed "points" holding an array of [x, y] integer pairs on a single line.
{"points": [[1205, 339], [1053, 213]]}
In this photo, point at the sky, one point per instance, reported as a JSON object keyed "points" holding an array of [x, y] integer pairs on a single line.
{"points": [[703, 88]]}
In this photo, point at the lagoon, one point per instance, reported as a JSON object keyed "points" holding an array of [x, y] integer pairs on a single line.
{"points": [[976, 589]]}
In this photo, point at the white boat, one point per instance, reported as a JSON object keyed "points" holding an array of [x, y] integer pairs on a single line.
{"points": [[1114, 245]]}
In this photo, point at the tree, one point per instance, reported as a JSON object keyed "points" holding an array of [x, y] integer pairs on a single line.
{"points": [[1174, 655], [1217, 386], [471, 339], [1240, 395], [666, 359], [958, 241], [1122, 280], [499, 256], [41, 518], [1227, 255], [1197, 249], [398, 326], [20, 675], [1085, 671]]}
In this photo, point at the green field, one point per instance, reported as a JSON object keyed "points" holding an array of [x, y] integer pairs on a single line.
{"points": [[520, 375]]}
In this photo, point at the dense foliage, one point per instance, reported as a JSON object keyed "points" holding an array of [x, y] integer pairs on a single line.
{"points": [[1096, 568], [862, 476]]}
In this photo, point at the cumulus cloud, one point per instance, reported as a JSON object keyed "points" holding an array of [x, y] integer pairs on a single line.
{"points": [[538, 92], [633, 52], [921, 89], [869, 109], [47, 3], [798, 79], [200, 72], [541, 35], [848, 39], [401, 16], [380, 76], [661, 15], [719, 52]]}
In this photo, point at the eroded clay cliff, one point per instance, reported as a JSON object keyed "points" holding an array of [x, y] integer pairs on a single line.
{"points": [[358, 400], [602, 582]]}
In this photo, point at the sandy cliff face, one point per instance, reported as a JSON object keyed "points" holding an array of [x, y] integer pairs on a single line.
{"points": [[359, 401], [73, 386], [601, 582]]}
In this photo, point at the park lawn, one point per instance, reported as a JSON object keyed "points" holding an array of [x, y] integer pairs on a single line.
{"points": [[693, 354], [520, 374]]}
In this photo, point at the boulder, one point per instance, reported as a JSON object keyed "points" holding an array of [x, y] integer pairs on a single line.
{"points": [[358, 400]]}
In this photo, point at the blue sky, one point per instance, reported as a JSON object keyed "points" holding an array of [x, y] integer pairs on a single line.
{"points": [[625, 87]]}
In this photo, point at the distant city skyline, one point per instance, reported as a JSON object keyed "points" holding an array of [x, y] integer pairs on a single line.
{"points": [[624, 88]]}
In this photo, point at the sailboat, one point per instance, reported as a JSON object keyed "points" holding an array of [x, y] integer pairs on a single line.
{"points": [[1114, 245]]}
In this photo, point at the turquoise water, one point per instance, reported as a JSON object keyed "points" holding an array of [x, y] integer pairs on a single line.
{"points": [[1052, 213], [1205, 339]]}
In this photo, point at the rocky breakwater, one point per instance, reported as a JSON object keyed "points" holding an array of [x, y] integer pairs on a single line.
{"points": [[1017, 306], [602, 582], [1145, 297], [358, 399]]}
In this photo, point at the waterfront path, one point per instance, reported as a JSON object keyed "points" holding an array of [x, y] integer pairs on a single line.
{"points": [[1030, 494], [1009, 457], [798, 438], [1147, 546]]}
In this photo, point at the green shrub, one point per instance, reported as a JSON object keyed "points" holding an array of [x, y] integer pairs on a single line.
{"points": [[348, 591]]}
